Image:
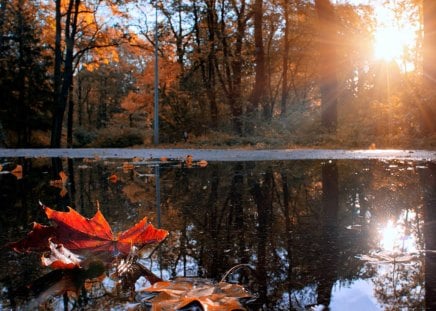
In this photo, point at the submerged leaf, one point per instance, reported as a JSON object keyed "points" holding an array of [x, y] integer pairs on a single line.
{"points": [[56, 283], [60, 257], [36, 240]]}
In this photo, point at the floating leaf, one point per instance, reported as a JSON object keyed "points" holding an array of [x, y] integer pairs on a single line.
{"points": [[113, 178], [182, 292], [61, 183], [18, 171], [202, 163], [188, 160], [128, 166], [78, 233]]}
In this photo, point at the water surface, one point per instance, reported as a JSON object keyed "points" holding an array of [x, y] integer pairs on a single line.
{"points": [[335, 233]]}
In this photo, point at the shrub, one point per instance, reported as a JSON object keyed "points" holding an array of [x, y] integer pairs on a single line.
{"points": [[118, 138], [83, 137]]}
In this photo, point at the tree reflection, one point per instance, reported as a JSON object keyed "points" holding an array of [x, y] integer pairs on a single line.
{"points": [[398, 266], [262, 192], [300, 224], [329, 251], [399, 280], [428, 177]]}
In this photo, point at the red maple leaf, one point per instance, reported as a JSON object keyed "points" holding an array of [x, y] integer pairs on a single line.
{"points": [[77, 233]]}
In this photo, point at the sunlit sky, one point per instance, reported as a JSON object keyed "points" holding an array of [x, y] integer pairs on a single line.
{"points": [[393, 36]]}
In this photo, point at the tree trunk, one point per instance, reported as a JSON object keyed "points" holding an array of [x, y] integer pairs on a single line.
{"points": [[2, 22], [63, 75], [70, 117], [229, 71], [428, 111], [235, 92], [210, 81], [327, 64], [57, 111], [258, 94], [21, 107], [285, 89]]}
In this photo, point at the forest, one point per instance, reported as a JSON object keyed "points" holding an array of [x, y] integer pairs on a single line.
{"points": [[252, 73]]}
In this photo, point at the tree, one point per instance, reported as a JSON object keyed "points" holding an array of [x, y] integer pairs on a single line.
{"points": [[258, 94], [285, 59], [77, 33], [327, 43], [24, 83], [230, 63], [428, 114], [63, 66]]}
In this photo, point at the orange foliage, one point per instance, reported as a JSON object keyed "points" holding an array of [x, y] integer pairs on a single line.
{"points": [[142, 98], [76, 232], [61, 183]]}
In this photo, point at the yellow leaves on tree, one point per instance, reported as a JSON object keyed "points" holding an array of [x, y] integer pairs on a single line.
{"points": [[141, 99]]}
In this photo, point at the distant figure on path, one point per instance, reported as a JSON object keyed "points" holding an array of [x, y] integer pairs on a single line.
{"points": [[185, 136]]}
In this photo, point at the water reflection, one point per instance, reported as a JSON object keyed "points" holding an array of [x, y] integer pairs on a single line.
{"points": [[400, 237], [319, 233]]}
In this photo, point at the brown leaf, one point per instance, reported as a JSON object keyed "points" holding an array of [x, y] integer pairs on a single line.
{"points": [[179, 293], [18, 171]]}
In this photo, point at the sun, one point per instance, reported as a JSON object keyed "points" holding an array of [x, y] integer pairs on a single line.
{"points": [[394, 35], [389, 44]]}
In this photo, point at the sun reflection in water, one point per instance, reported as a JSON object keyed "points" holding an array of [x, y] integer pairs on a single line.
{"points": [[398, 237]]}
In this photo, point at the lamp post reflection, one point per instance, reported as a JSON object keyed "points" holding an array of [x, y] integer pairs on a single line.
{"points": [[157, 179]]}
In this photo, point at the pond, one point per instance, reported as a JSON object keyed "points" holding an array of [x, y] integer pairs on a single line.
{"points": [[344, 234]]}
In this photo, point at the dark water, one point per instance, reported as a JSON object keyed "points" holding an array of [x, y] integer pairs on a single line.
{"points": [[346, 234]]}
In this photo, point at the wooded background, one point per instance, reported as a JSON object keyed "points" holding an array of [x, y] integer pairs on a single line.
{"points": [[286, 73]]}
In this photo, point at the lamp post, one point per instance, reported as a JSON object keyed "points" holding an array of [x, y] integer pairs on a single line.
{"points": [[156, 83]]}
